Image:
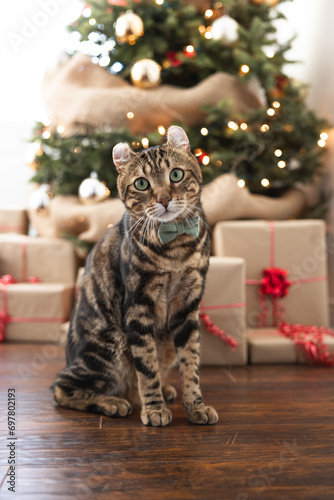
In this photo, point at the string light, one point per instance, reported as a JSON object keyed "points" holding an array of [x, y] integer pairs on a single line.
{"points": [[208, 35], [232, 125], [278, 153], [92, 21], [264, 128], [161, 130], [159, 2], [204, 131], [276, 104], [60, 129], [145, 142], [46, 134], [206, 160], [244, 126], [241, 183], [270, 112], [265, 182], [198, 152], [281, 164], [208, 13], [47, 122], [324, 136], [202, 29], [244, 69], [321, 143], [189, 51], [130, 115], [270, 53]]}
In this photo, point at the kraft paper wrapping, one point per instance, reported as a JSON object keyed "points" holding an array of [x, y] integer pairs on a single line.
{"points": [[36, 311], [225, 287], [267, 345], [297, 246], [13, 221], [51, 260]]}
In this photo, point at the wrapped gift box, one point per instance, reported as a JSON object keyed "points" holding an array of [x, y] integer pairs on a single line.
{"points": [[268, 345], [296, 246], [52, 260], [13, 221], [34, 312], [224, 303]]}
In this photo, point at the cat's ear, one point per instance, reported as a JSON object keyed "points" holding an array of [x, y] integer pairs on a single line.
{"points": [[121, 155], [177, 138]]}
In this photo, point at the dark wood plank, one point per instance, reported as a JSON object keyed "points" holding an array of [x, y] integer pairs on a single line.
{"points": [[274, 439]]}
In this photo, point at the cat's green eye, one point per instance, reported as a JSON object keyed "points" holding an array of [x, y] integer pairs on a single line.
{"points": [[176, 175], [141, 184]]}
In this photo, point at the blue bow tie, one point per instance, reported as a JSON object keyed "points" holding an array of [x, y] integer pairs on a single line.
{"points": [[168, 230]]}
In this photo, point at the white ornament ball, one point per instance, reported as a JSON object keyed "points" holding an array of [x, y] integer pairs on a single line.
{"points": [[39, 200], [146, 73], [92, 190], [129, 27], [225, 29]]}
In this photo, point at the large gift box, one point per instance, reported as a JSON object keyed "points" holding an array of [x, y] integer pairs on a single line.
{"points": [[269, 345], [34, 312], [286, 269], [223, 306], [13, 221], [51, 260]]}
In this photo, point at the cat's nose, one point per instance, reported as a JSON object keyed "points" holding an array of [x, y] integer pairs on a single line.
{"points": [[164, 201]]}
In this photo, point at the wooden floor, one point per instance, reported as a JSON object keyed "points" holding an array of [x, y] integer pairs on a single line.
{"points": [[274, 439]]}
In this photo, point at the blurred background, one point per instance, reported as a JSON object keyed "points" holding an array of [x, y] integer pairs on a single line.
{"points": [[25, 64]]}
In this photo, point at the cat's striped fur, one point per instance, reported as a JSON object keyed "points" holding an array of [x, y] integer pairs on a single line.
{"points": [[137, 309]]}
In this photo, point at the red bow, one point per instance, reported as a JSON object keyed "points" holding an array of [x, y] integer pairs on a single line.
{"points": [[275, 282]]}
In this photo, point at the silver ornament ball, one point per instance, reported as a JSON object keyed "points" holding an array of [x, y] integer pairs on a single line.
{"points": [[92, 190]]}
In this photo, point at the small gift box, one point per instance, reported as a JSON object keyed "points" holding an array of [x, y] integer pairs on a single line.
{"points": [[291, 344], [13, 221], [52, 260], [286, 269], [34, 312], [223, 340]]}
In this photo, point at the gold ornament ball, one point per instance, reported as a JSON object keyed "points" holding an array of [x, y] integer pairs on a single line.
{"points": [[146, 73], [39, 200], [129, 27], [225, 29], [92, 190], [271, 3]]}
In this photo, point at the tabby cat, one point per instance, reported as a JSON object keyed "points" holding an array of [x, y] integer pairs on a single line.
{"points": [[137, 310]]}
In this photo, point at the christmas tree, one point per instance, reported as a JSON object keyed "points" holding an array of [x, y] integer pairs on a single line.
{"points": [[270, 145]]}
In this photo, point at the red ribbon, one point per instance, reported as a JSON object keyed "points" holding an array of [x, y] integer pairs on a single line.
{"points": [[310, 341], [214, 329]]}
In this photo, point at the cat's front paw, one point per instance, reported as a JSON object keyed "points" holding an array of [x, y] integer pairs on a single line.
{"points": [[202, 415], [157, 417]]}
